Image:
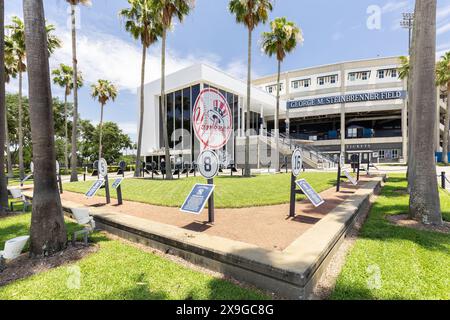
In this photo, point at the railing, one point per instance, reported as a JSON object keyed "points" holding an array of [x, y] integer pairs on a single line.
{"points": [[321, 160]]}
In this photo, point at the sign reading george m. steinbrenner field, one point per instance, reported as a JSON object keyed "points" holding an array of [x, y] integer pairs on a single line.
{"points": [[312, 195], [196, 200]]}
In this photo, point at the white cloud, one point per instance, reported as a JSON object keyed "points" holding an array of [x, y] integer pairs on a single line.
{"points": [[129, 128], [102, 56], [443, 29], [443, 12], [392, 6]]}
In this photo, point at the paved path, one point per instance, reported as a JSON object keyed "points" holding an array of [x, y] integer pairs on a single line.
{"points": [[267, 227]]}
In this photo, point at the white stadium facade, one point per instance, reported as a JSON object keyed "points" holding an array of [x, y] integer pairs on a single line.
{"points": [[357, 107]]}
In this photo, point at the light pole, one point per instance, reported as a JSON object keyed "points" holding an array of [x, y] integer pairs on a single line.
{"points": [[408, 23]]}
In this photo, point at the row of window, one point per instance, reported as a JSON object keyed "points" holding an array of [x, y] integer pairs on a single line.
{"points": [[273, 88], [333, 79], [389, 154], [365, 75]]}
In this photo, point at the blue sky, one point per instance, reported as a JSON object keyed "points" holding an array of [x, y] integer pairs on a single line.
{"points": [[334, 30]]}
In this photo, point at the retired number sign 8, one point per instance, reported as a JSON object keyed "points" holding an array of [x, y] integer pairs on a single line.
{"points": [[208, 164]]}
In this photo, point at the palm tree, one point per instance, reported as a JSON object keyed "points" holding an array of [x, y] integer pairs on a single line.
{"points": [[167, 11], [443, 79], [48, 230], [17, 36], [424, 202], [73, 160], [10, 72], [250, 13], [143, 24], [405, 73], [281, 40], [63, 77], [103, 91], [3, 132]]}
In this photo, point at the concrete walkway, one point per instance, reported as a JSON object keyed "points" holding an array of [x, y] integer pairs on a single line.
{"points": [[267, 227]]}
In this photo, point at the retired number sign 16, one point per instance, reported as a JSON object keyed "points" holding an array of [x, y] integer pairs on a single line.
{"points": [[208, 164], [297, 162]]}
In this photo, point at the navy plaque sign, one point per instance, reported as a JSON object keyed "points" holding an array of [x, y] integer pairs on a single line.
{"points": [[95, 187], [350, 177], [312, 195], [196, 200], [117, 183]]}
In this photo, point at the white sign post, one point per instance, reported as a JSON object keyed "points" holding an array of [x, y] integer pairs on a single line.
{"points": [[212, 121], [297, 162], [103, 172]]}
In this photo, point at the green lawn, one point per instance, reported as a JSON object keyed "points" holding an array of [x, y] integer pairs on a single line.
{"points": [[390, 262], [117, 271], [230, 192]]}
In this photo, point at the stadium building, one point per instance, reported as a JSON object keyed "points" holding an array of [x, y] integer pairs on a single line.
{"points": [[350, 107]]}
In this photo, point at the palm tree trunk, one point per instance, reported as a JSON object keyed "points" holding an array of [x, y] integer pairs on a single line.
{"points": [[66, 134], [74, 162], [141, 115], [21, 166], [247, 171], [446, 129], [411, 113], [8, 146], [101, 132], [277, 121], [3, 132], [164, 107], [424, 202], [48, 231]]}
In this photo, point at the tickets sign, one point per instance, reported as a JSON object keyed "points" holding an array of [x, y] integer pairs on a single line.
{"points": [[212, 119]]}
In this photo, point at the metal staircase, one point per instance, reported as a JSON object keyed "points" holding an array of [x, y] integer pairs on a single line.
{"points": [[312, 157]]}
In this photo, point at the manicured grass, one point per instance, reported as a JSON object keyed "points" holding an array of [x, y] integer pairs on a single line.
{"points": [[391, 262], [117, 271], [230, 192]]}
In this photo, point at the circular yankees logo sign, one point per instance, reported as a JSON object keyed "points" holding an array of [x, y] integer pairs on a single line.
{"points": [[212, 119]]}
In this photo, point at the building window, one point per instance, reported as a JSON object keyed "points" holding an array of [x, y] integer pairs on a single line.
{"points": [[387, 73], [305, 83], [352, 133], [363, 75], [273, 88], [331, 79], [381, 154]]}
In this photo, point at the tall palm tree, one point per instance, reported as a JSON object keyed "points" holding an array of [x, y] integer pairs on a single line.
{"points": [[250, 13], [63, 77], [167, 11], [281, 40], [10, 72], [103, 92], [3, 132], [443, 79], [73, 159], [48, 230], [424, 202], [17, 36], [143, 24], [405, 73]]}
